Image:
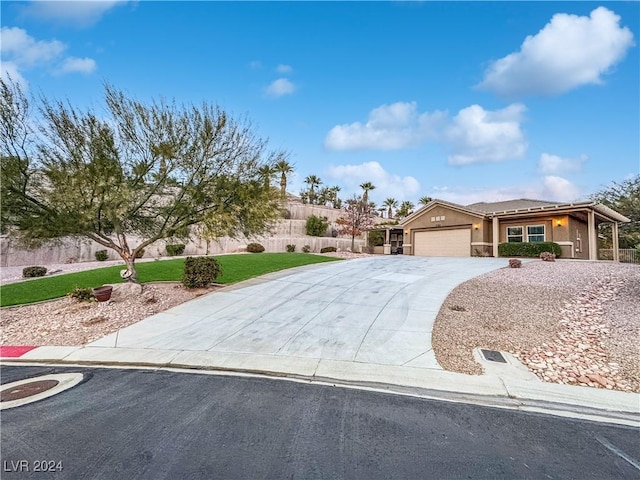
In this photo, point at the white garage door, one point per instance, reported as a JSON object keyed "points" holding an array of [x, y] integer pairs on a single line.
{"points": [[443, 243]]}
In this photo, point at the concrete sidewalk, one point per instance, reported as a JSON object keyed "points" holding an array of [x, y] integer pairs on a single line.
{"points": [[364, 322]]}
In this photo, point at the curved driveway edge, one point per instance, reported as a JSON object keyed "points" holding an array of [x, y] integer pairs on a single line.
{"points": [[377, 310]]}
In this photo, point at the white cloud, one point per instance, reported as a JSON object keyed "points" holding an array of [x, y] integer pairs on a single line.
{"points": [[10, 70], [77, 65], [387, 184], [549, 188], [389, 127], [284, 69], [81, 13], [280, 87], [476, 135], [558, 188], [255, 64], [553, 164], [20, 52], [568, 52], [25, 51]]}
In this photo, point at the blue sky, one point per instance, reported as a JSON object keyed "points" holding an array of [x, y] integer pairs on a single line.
{"points": [[460, 101]]}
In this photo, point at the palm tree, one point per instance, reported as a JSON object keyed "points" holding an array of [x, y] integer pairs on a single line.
{"points": [[424, 200], [366, 186], [406, 209], [313, 181], [284, 168], [267, 172], [390, 203], [335, 201]]}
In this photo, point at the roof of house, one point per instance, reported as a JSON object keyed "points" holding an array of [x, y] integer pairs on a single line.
{"points": [[518, 204]]}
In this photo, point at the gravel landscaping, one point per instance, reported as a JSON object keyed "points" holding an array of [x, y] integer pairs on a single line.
{"points": [[69, 322], [570, 322]]}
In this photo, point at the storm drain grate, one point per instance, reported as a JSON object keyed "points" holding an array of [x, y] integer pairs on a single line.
{"points": [[493, 356]]}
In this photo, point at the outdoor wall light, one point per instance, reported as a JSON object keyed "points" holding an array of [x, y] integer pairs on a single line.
{"points": [[559, 223], [477, 226]]}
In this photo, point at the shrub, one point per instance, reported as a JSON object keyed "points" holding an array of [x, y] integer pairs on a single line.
{"points": [[328, 249], [376, 238], [30, 272], [316, 226], [528, 249], [548, 257], [255, 248], [101, 255], [200, 272], [175, 249], [515, 263], [286, 214], [306, 249], [81, 294], [291, 248]]}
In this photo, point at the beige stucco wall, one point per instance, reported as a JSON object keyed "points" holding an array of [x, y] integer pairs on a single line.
{"points": [[452, 219]]}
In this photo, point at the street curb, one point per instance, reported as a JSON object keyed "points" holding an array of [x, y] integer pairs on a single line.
{"points": [[509, 401]]}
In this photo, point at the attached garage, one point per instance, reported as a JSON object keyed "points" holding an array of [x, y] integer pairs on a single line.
{"points": [[443, 243]]}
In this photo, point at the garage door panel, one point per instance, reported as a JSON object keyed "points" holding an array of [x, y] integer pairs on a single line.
{"points": [[443, 243]]}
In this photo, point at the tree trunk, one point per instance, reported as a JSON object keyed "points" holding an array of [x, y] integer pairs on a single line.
{"points": [[283, 186], [353, 243], [131, 274]]}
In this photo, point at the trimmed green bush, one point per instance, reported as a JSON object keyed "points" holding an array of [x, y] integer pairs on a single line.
{"points": [[30, 272], [255, 248], [316, 226], [527, 249], [101, 255], [328, 249], [175, 249], [81, 294], [200, 272], [306, 249], [291, 248]]}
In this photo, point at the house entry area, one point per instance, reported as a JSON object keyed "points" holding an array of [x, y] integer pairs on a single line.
{"points": [[395, 240]]}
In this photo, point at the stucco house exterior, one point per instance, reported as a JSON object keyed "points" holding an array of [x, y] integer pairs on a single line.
{"points": [[443, 228]]}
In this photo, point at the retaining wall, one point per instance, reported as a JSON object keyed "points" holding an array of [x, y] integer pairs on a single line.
{"points": [[286, 232]]}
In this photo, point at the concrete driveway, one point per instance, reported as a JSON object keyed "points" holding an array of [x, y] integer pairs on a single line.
{"points": [[377, 310]]}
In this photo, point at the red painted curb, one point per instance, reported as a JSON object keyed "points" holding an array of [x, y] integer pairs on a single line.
{"points": [[13, 351]]}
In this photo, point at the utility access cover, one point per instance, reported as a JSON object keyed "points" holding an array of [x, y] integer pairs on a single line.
{"points": [[33, 389], [493, 356]]}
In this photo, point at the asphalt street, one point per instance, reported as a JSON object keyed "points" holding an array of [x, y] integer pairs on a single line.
{"points": [[145, 424]]}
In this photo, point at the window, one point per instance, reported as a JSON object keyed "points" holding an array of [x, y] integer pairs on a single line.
{"points": [[514, 234], [438, 219], [535, 233]]}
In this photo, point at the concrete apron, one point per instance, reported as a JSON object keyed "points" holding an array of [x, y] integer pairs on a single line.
{"points": [[365, 322]]}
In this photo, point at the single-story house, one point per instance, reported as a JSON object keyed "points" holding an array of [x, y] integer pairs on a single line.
{"points": [[442, 228]]}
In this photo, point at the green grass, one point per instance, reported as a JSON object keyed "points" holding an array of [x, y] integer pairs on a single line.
{"points": [[235, 268]]}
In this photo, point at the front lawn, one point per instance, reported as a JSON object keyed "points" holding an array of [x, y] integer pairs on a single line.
{"points": [[235, 268]]}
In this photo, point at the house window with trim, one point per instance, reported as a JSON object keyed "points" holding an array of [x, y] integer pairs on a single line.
{"points": [[535, 233], [514, 234]]}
